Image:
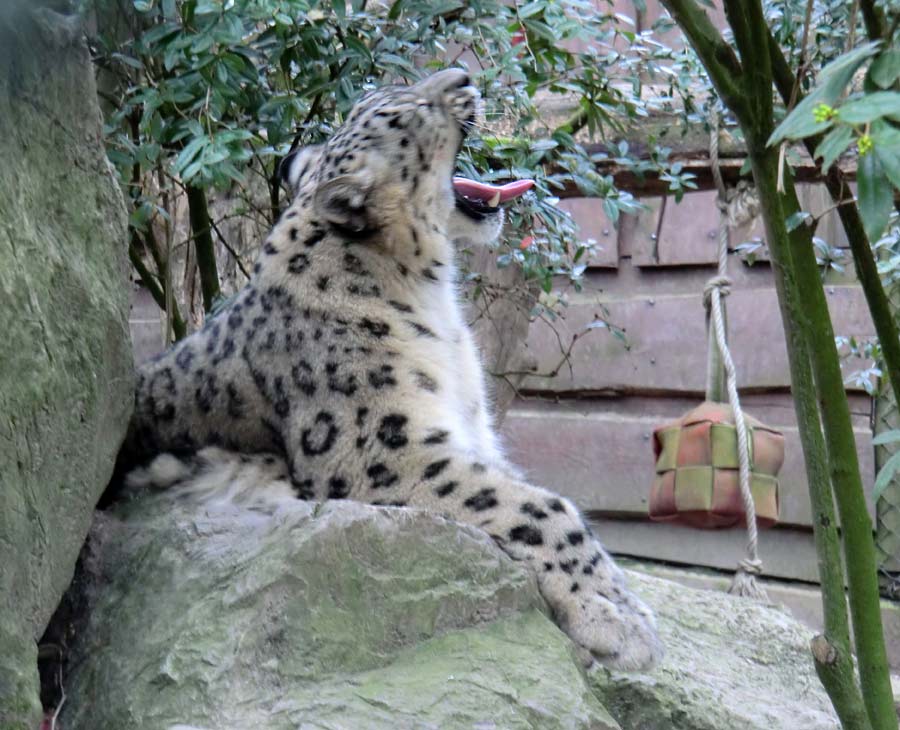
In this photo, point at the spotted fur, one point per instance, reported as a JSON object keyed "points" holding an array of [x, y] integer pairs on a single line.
{"points": [[348, 356]]}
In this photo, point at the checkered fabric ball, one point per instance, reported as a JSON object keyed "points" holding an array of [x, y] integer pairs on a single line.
{"points": [[697, 479]]}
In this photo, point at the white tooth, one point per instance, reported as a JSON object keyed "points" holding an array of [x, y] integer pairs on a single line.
{"points": [[495, 201]]}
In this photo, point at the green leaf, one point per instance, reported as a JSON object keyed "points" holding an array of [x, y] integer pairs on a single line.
{"points": [[833, 145], [885, 135], [841, 70], [564, 138], [190, 151], [801, 123], [396, 9], [393, 58], [541, 30], [128, 60], [532, 8], [160, 34], [885, 476], [191, 171], [870, 107], [797, 219], [542, 145], [140, 215], [358, 47], [885, 69], [886, 437], [222, 74], [889, 157], [876, 196]]}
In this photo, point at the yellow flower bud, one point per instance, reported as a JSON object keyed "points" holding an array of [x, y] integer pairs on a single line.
{"points": [[823, 113], [864, 145]]}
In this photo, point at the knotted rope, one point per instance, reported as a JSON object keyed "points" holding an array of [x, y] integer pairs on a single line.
{"points": [[735, 209]]}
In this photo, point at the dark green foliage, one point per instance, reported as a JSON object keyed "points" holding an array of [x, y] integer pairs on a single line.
{"points": [[208, 94]]}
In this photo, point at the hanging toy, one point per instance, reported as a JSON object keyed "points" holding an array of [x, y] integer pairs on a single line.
{"points": [[698, 469], [716, 467]]}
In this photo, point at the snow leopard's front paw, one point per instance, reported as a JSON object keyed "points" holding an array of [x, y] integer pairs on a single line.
{"points": [[598, 612], [620, 635]]}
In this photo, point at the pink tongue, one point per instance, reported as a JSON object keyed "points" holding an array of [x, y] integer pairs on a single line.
{"points": [[484, 193]]}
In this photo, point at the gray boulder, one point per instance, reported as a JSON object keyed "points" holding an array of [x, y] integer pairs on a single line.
{"points": [[287, 614], [731, 664], [337, 616], [65, 368]]}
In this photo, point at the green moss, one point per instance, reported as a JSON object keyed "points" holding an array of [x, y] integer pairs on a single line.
{"points": [[730, 663], [346, 616], [19, 703], [65, 374]]}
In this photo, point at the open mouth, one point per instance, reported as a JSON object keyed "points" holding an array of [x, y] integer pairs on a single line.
{"points": [[479, 200]]}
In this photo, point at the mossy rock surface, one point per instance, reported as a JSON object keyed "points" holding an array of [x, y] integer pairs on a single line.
{"points": [[731, 664], [345, 615], [338, 616], [65, 368]]}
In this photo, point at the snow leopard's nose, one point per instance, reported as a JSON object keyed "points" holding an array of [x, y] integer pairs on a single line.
{"points": [[440, 83], [452, 92]]}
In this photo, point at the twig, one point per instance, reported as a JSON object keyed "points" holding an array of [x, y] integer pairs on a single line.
{"points": [[566, 358], [167, 271], [851, 35], [834, 206], [873, 17], [150, 282], [62, 699], [525, 35], [234, 255], [804, 48], [659, 224]]}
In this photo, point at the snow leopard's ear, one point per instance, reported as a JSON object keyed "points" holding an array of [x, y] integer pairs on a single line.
{"points": [[299, 165], [344, 202]]}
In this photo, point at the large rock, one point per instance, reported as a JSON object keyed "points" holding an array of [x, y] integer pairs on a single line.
{"points": [[65, 368], [336, 616], [345, 615], [730, 663]]}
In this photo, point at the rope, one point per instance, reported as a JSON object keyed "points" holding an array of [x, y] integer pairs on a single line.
{"points": [[717, 288]]}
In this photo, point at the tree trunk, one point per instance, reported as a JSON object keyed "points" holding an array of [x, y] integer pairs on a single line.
{"points": [[747, 90], [201, 227]]}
